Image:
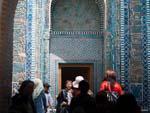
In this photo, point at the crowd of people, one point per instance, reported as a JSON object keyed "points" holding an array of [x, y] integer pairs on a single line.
{"points": [[76, 97]]}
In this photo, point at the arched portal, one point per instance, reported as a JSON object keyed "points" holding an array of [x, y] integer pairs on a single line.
{"points": [[76, 15], [77, 11], [76, 38]]}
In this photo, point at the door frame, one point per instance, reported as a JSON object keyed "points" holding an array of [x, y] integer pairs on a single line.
{"points": [[90, 72]]}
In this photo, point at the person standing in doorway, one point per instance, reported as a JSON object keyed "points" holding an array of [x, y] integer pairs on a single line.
{"points": [[64, 98]]}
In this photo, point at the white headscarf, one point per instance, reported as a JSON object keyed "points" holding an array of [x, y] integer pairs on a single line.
{"points": [[38, 87]]}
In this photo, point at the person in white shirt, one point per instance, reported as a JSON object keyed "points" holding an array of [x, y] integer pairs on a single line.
{"points": [[49, 99]]}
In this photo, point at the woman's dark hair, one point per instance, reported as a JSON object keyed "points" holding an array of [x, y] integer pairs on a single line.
{"points": [[110, 77], [24, 85], [67, 81], [110, 74], [46, 85]]}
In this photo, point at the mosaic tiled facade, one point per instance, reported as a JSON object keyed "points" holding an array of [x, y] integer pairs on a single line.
{"points": [[126, 45], [76, 15], [77, 48], [123, 45], [19, 41], [33, 41]]}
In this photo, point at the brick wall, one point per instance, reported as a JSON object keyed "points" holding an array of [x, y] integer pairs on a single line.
{"points": [[6, 40]]}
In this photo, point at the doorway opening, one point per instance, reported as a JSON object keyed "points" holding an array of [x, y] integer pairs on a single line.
{"points": [[70, 71]]}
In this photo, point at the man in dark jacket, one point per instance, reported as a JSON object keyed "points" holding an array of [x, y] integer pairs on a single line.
{"points": [[83, 103], [22, 102]]}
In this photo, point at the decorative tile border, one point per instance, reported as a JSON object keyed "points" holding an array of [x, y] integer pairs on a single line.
{"points": [[28, 44], [30, 40], [146, 82], [111, 35], [137, 90], [76, 34], [124, 43], [148, 47]]}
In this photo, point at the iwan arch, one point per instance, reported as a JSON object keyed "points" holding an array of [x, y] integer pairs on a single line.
{"points": [[96, 38], [76, 40]]}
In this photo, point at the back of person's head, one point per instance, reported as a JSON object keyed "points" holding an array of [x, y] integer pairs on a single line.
{"points": [[84, 86], [26, 87], [110, 75], [46, 85], [127, 104]]}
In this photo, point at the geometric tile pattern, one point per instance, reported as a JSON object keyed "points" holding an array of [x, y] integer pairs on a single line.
{"points": [[75, 47], [35, 31], [19, 32], [99, 3], [144, 46], [111, 35], [142, 89], [147, 6], [148, 46], [75, 38], [136, 63], [137, 80], [146, 52], [43, 36], [137, 90], [124, 43], [71, 16], [30, 40]]}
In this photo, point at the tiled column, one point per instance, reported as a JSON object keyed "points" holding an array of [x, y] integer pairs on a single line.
{"points": [[124, 43], [30, 39], [148, 46]]}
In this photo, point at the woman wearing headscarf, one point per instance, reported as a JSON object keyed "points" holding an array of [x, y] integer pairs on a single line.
{"points": [[39, 96]]}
